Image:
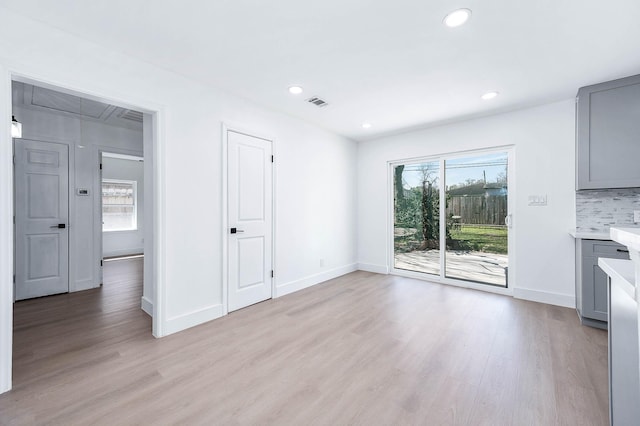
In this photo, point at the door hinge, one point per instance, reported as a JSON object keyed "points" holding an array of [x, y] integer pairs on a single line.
{"points": [[14, 159], [271, 273], [100, 262], [272, 158], [100, 166], [14, 278]]}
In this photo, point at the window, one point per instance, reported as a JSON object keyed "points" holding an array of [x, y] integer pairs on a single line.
{"points": [[119, 205]]}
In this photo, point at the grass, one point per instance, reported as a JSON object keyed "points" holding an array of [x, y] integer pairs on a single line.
{"points": [[481, 238]]}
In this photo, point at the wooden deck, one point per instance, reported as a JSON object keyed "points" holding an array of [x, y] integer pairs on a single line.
{"points": [[465, 265]]}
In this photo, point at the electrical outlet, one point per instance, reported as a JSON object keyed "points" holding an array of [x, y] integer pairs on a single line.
{"points": [[636, 216]]}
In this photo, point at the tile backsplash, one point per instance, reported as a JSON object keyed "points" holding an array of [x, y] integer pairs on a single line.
{"points": [[598, 210]]}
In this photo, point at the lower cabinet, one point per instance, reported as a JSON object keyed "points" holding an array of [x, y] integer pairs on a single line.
{"points": [[591, 281]]}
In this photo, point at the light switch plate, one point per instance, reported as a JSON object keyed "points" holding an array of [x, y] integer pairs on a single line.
{"points": [[538, 200], [636, 216]]}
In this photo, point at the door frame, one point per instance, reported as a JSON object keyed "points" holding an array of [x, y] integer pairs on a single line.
{"points": [[156, 145], [511, 237], [225, 214], [97, 202]]}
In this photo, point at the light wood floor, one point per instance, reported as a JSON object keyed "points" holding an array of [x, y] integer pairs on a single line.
{"points": [[361, 349]]}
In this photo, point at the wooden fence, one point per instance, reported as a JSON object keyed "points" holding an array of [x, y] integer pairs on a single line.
{"points": [[479, 209]]}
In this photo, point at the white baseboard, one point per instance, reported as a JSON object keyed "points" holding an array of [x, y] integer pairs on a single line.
{"points": [[191, 319], [311, 280], [370, 267], [147, 306], [565, 300]]}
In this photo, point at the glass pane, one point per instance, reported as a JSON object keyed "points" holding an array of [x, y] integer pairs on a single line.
{"points": [[417, 217], [476, 199], [118, 206], [117, 193]]}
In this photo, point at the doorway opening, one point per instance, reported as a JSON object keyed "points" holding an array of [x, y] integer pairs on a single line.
{"points": [[59, 250], [451, 217]]}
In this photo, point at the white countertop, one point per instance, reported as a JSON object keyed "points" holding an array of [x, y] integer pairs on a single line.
{"points": [[622, 273], [590, 235], [629, 237]]}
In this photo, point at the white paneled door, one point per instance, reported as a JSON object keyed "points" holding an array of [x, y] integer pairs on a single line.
{"points": [[42, 207], [250, 220]]}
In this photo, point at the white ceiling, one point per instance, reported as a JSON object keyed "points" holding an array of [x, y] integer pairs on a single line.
{"points": [[391, 63]]}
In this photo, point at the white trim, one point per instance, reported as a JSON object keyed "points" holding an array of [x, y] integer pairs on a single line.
{"points": [[193, 318], [74, 281], [511, 212], [564, 300], [312, 280], [225, 221], [489, 288], [273, 218], [370, 267], [32, 76], [442, 195], [158, 254], [6, 235], [146, 305], [450, 155], [110, 154]]}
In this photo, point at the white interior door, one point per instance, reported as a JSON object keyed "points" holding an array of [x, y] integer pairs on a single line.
{"points": [[250, 220], [42, 211]]}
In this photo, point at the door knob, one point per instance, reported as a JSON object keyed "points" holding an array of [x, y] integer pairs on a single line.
{"points": [[236, 231], [59, 226]]}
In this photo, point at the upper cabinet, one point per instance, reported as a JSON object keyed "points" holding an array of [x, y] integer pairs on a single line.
{"points": [[608, 135]]}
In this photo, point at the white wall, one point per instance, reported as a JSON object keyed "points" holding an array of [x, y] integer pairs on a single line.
{"points": [[84, 139], [120, 243], [315, 187], [544, 164]]}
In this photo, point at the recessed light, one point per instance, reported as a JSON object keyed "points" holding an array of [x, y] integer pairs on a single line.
{"points": [[295, 90], [366, 125], [489, 95], [457, 17]]}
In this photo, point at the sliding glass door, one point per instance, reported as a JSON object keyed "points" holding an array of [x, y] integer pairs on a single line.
{"points": [[470, 240], [416, 230]]}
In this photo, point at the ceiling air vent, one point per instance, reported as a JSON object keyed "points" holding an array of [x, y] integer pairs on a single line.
{"points": [[317, 102], [132, 115]]}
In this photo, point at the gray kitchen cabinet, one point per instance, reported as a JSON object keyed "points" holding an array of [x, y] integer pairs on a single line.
{"points": [[591, 281], [608, 135]]}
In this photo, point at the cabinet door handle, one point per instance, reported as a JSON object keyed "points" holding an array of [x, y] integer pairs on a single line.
{"points": [[622, 251]]}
